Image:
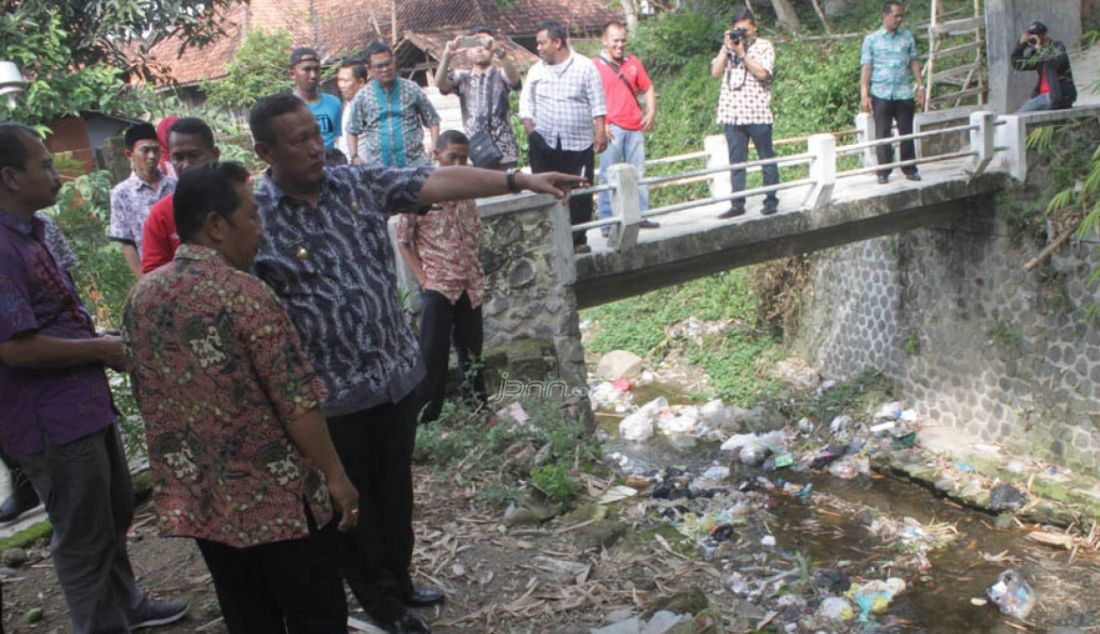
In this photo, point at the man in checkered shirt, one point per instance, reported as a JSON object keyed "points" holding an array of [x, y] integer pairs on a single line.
{"points": [[745, 105], [563, 110]]}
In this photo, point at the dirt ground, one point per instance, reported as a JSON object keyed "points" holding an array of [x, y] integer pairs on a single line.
{"points": [[559, 578], [494, 578]]}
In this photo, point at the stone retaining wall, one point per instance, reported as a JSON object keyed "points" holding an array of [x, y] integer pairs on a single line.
{"points": [[972, 338]]}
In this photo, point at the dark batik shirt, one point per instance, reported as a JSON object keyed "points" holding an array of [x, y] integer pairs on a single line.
{"points": [[333, 268], [484, 99], [37, 296]]}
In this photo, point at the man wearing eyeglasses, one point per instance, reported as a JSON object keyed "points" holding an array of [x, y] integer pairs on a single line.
{"points": [[390, 115]]}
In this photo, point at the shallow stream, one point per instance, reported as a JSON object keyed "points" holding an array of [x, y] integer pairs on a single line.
{"points": [[937, 600]]}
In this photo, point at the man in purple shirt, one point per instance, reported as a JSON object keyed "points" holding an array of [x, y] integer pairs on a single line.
{"points": [[58, 419]]}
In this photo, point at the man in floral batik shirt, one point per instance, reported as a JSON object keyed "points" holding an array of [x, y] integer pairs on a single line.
{"points": [[238, 446]]}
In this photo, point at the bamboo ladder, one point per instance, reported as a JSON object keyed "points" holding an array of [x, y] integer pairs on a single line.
{"points": [[967, 78]]}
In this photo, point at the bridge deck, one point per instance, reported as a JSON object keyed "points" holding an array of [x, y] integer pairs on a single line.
{"points": [[864, 186], [694, 242]]}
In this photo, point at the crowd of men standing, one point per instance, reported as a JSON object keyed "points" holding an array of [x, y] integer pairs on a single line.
{"points": [[279, 381]]}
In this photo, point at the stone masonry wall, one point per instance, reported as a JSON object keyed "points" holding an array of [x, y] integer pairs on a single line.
{"points": [[973, 339], [529, 310]]}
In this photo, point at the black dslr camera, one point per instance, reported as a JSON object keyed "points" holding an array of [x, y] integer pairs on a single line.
{"points": [[736, 35]]}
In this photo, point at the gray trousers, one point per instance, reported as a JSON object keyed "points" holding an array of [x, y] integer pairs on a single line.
{"points": [[90, 501]]}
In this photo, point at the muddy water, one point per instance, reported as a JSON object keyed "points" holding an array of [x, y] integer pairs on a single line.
{"points": [[938, 600]]}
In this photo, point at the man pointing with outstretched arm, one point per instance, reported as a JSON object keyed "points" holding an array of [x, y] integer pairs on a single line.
{"points": [[327, 255]]}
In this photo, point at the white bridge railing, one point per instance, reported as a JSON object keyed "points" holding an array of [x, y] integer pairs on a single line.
{"points": [[989, 137]]}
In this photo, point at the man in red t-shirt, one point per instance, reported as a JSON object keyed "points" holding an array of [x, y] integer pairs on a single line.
{"points": [[190, 143], [624, 82]]}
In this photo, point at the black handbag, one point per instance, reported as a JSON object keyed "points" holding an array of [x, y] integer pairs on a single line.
{"points": [[483, 152]]}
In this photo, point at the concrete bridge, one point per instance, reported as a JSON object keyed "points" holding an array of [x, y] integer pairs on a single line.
{"points": [[535, 284]]}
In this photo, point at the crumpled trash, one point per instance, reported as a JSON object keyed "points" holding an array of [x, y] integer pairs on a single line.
{"points": [[617, 494], [835, 581], [840, 424], [965, 467], [905, 441], [825, 458], [754, 454], [711, 477], [1012, 594], [850, 467], [874, 597], [784, 460], [836, 609], [636, 427], [889, 411], [737, 441], [1005, 497]]}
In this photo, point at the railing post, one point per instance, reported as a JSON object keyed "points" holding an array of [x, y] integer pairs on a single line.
{"points": [[822, 170], [718, 155], [982, 141], [626, 205], [1013, 135], [865, 125]]}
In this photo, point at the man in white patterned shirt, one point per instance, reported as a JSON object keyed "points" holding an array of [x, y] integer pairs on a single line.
{"points": [[745, 65], [563, 110]]}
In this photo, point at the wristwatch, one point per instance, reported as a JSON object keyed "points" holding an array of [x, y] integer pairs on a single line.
{"points": [[510, 180]]}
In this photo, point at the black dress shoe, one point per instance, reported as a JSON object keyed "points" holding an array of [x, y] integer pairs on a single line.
{"points": [[732, 212], [424, 597], [913, 177], [883, 179], [409, 623], [648, 224], [769, 209], [18, 503]]}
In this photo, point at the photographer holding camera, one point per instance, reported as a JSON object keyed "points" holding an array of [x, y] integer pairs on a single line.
{"points": [[745, 65], [1054, 89]]}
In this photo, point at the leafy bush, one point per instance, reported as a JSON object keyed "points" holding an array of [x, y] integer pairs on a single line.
{"points": [[257, 69], [672, 41]]}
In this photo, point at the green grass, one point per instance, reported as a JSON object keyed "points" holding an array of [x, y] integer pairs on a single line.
{"points": [[461, 446], [736, 360]]}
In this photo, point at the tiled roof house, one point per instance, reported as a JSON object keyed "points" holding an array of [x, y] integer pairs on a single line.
{"points": [[341, 27]]}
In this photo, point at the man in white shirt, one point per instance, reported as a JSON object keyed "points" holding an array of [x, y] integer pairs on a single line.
{"points": [[350, 78], [564, 113]]}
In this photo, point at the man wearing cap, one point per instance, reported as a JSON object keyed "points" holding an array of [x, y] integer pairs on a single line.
{"points": [[1054, 89], [305, 70], [132, 199]]}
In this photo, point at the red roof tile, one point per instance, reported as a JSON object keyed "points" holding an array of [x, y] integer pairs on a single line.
{"points": [[340, 27]]}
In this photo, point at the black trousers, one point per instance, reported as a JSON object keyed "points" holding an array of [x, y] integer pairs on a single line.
{"points": [[545, 158], [887, 112], [376, 447], [442, 322], [289, 586], [737, 143]]}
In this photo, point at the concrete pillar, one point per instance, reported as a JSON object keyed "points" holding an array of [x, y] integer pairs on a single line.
{"points": [[1013, 135], [982, 141], [626, 204], [822, 170], [1005, 20]]}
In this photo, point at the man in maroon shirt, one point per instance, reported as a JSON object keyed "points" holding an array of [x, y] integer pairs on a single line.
{"points": [[58, 422], [190, 143]]}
